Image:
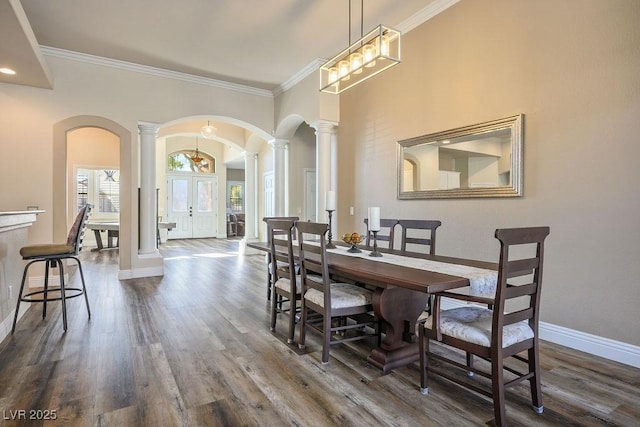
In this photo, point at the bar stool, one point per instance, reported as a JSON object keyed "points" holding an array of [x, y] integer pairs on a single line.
{"points": [[52, 255]]}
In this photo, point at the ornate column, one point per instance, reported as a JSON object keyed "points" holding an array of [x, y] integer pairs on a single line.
{"points": [[326, 167], [147, 213], [279, 175], [251, 196]]}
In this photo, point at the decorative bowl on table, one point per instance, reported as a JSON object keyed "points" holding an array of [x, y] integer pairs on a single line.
{"points": [[353, 239]]}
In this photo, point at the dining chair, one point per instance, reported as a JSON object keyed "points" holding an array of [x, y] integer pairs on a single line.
{"points": [[286, 284], [232, 225], [338, 311], [493, 334], [386, 233], [52, 255], [270, 265], [426, 228]]}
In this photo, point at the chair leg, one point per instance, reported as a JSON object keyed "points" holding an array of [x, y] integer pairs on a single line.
{"points": [[24, 279], [303, 325], [84, 288], [274, 312], [326, 338], [536, 389], [63, 297], [423, 348], [48, 264], [498, 391], [292, 319]]}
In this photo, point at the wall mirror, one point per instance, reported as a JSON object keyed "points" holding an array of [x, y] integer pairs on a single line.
{"points": [[482, 160]]}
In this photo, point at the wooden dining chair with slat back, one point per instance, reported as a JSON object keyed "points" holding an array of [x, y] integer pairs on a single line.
{"points": [[270, 265], [53, 255], [286, 284], [386, 233], [337, 311], [493, 334], [426, 227]]}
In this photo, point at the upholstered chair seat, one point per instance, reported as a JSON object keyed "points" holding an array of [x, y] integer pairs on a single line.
{"points": [[342, 295], [37, 251], [473, 324]]}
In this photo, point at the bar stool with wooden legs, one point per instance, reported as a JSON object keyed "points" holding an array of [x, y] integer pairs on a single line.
{"points": [[53, 255]]}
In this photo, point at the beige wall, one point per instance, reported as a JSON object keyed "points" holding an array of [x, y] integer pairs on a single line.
{"points": [[572, 67]]}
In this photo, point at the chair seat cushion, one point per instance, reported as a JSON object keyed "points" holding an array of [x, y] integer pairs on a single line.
{"points": [[473, 324], [37, 251], [343, 295], [282, 265], [284, 284]]}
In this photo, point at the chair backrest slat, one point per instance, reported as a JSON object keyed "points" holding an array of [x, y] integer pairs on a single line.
{"points": [[419, 224], [312, 256], [76, 233], [285, 218], [386, 233], [281, 248], [527, 269]]}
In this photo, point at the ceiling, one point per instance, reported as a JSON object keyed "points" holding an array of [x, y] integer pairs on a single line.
{"points": [[261, 44]]}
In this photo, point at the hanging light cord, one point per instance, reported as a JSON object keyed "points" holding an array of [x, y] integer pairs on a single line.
{"points": [[361, 20]]}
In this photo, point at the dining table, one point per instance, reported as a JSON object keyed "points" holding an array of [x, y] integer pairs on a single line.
{"points": [[402, 282]]}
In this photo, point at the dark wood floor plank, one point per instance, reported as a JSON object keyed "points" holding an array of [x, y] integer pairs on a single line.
{"points": [[193, 348]]}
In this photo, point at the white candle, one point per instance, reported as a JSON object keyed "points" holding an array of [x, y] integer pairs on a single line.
{"points": [[374, 219], [330, 201]]}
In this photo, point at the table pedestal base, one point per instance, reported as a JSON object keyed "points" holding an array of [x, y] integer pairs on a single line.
{"points": [[386, 360], [399, 309]]}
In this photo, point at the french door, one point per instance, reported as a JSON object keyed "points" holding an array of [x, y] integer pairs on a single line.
{"points": [[193, 206]]}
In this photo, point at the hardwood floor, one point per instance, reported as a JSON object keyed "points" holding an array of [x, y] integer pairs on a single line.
{"points": [[194, 348]]}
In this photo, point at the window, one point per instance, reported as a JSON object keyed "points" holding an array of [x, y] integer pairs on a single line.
{"points": [[235, 191], [181, 161], [101, 188]]}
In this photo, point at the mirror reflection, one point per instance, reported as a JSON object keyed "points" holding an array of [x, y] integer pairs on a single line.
{"points": [[482, 160]]}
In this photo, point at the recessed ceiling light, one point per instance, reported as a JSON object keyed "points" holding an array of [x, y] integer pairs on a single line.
{"points": [[7, 71]]}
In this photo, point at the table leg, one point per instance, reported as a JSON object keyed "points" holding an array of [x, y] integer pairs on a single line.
{"points": [[98, 240], [113, 234], [399, 309]]}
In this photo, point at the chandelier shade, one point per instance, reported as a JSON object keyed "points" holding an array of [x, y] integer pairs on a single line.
{"points": [[208, 131], [196, 157], [372, 54]]}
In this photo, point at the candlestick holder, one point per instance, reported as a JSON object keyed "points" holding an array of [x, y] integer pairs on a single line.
{"points": [[375, 252], [330, 244]]}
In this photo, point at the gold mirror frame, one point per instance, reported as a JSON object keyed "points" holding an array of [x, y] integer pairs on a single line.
{"points": [[513, 126]]}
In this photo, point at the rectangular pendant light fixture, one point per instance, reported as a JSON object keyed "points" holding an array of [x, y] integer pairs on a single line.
{"points": [[372, 54]]}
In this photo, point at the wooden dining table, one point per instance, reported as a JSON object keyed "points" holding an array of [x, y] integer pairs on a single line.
{"points": [[400, 296]]}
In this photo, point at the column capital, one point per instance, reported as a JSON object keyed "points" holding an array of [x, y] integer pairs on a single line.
{"points": [[324, 126], [148, 128], [279, 144], [250, 154]]}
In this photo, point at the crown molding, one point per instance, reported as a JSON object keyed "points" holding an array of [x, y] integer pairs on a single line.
{"points": [[425, 14], [311, 68], [159, 72]]}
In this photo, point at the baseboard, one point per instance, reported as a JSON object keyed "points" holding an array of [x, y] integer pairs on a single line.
{"points": [[592, 344], [604, 347], [141, 272], [7, 323]]}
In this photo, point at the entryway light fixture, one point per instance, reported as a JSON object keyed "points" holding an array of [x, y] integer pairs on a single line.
{"points": [[196, 157], [208, 131], [372, 54]]}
